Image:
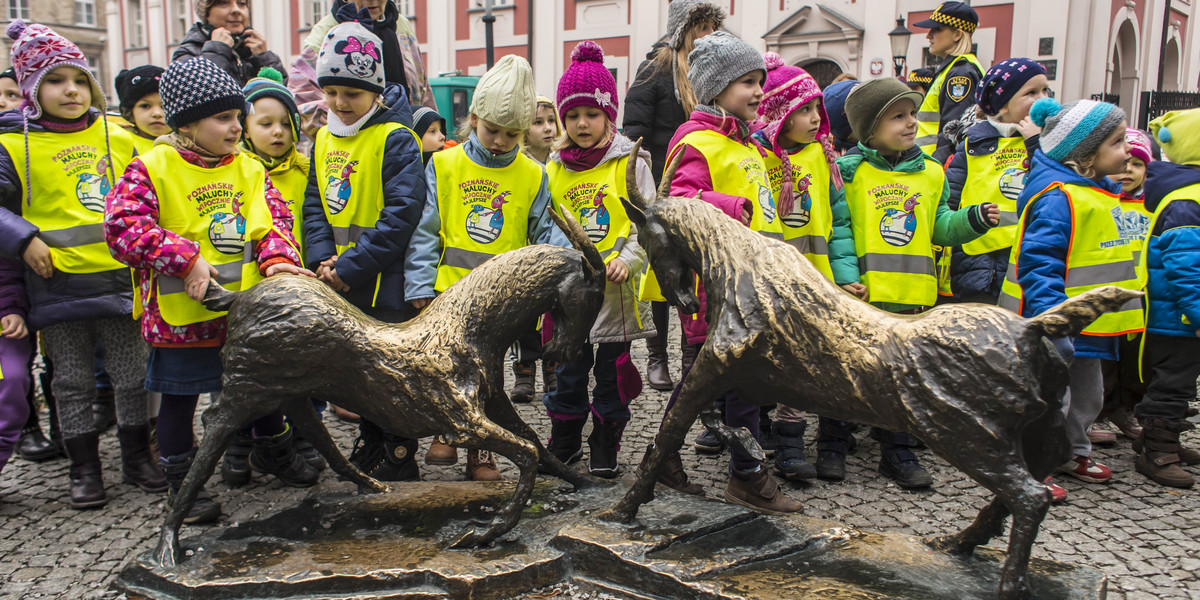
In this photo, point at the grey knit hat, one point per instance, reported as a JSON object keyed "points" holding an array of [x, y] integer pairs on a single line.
{"points": [[197, 88], [685, 14], [869, 99], [720, 58], [1072, 131], [351, 56]]}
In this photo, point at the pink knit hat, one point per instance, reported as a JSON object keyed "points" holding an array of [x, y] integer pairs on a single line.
{"points": [[587, 82], [786, 89], [1139, 144], [36, 51]]}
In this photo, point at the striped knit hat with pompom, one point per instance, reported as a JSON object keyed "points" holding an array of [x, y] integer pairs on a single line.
{"points": [[1072, 131], [269, 84]]}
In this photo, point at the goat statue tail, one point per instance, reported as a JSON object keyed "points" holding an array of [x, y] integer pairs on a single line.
{"points": [[1070, 317], [217, 298], [579, 238]]}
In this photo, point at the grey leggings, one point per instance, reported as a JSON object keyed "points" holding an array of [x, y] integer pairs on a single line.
{"points": [[1082, 402], [71, 347]]}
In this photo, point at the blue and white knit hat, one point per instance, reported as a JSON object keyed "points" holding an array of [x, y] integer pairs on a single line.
{"points": [[1072, 131]]}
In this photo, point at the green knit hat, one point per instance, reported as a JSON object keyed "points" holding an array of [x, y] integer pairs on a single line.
{"points": [[269, 84], [868, 100]]}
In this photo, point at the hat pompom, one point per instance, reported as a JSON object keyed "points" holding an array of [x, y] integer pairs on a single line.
{"points": [[15, 28], [1043, 109], [271, 73], [588, 51], [774, 61], [1164, 135]]}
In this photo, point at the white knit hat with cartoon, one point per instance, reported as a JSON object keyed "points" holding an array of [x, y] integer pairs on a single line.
{"points": [[351, 56]]}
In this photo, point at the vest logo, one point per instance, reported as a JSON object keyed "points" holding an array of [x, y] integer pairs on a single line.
{"points": [[227, 230], [803, 208], [958, 87], [1131, 225], [1012, 181], [587, 201], [898, 226], [92, 188], [767, 203], [337, 192], [88, 168], [485, 224]]}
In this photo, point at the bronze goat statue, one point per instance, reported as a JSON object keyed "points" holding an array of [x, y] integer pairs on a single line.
{"points": [[292, 338], [981, 386]]}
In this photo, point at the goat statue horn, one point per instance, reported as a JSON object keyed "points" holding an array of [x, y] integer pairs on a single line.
{"points": [[664, 188], [579, 238], [631, 189]]}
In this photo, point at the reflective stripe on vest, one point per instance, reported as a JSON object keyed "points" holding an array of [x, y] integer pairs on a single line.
{"points": [[1188, 192], [810, 226], [1096, 257], [929, 115], [997, 178], [593, 198], [223, 209], [484, 211], [71, 177], [892, 216], [737, 170]]}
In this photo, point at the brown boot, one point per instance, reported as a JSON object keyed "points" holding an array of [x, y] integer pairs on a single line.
{"points": [[441, 453], [549, 379], [522, 392], [481, 466], [760, 491], [1187, 456], [674, 477], [1159, 459], [1125, 423]]}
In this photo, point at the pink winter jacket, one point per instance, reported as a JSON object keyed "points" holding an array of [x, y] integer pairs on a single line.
{"points": [[135, 238], [693, 176]]}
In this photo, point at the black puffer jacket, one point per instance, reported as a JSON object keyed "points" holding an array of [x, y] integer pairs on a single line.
{"points": [[652, 112], [240, 64]]}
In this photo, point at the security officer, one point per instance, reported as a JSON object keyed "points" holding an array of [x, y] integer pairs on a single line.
{"points": [[953, 89]]}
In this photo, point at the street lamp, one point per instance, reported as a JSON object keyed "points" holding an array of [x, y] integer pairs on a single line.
{"points": [[899, 38], [490, 47]]}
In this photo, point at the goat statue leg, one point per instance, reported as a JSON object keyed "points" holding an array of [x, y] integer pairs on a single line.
{"points": [[490, 436], [988, 524], [500, 410], [304, 418], [1028, 500], [737, 438]]}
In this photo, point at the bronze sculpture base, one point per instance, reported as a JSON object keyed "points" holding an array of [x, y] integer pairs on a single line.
{"points": [[339, 544]]}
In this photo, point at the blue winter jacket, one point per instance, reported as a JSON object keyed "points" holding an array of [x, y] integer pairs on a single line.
{"points": [[64, 297], [1173, 252], [972, 275], [379, 251], [1042, 260], [425, 251]]}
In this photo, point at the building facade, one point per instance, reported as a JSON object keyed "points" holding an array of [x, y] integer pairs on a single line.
{"points": [[81, 21]]}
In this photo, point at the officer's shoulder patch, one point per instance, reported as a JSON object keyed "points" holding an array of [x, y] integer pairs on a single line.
{"points": [[958, 87]]}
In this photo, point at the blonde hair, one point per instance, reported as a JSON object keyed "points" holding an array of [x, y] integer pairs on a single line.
{"points": [[463, 133], [667, 59], [564, 141], [558, 129], [964, 44]]}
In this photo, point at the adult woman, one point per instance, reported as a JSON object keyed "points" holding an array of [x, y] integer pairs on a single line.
{"points": [[953, 89], [223, 35]]}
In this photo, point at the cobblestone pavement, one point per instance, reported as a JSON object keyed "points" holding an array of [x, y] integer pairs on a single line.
{"points": [[1145, 537]]}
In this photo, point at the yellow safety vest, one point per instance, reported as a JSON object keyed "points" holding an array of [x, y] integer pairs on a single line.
{"points": [[1134, 224], [997, 178], [484, 211], [810, 226], [929, 115], [1188, 192], [593, 198], [71, 177], [892, 215], [223, 209], [291, 179], [1096, 257], [737, 170]]}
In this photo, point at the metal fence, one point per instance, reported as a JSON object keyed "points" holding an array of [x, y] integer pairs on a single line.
{"points": [[1156, 104]]}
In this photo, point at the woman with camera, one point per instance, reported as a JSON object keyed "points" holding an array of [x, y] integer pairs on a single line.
{"points": [[223, 35]]}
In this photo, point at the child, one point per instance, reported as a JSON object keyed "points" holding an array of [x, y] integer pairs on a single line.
{"points": [[272, 127], [897, 197], [484, 197], [802, 168], [10, 92], [57, 159], [725, 166], [1171, 262], [360, 209], [546, 128], [141, 106], [835, 109], [991, 162], [587, 177], [431, 128], [1081, 144], [14, 357], [155, 223]]}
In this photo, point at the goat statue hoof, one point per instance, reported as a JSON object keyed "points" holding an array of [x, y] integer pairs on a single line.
{"points": [[374, 487], [167, 551]]}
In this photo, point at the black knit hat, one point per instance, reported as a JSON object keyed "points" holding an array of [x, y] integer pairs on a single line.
{"points": [[423, 117], [197, 88], [136, 83], [10, 73]]}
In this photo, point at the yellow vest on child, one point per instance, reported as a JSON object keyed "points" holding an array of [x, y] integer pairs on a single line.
{"points": [[290, 177], [810, 226], [737, 170], [223, 209], [593, 197], [997, 178]]}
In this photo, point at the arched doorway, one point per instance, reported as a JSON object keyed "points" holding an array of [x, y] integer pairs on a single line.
{"points": [[1123, 77], [824, 71], [1171, 67]]}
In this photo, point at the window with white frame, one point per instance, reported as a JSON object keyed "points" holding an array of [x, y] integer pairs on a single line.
{"points": [[495, 3], [85, 12], [313, 11], [182, 12], [18, 9], [405, 7], [135, 23]]}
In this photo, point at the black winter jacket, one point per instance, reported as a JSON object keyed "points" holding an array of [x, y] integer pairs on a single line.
{"points": [[653, 113], [240, 64]]}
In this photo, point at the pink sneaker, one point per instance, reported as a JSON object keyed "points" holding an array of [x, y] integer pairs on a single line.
{"points": [[1057, 494], [1099, 435], [1084, 468]]}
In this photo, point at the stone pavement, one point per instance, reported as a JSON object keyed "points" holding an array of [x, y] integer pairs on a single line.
{"points": [[1146, 537]]}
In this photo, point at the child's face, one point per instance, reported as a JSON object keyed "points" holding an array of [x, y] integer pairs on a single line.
{"points": [[10, 94], [544, 129], [219, 134], [65, 93], [434, 138], [148, 115], [498, 140], [1113, 153], [742, 96], [586, 125], [1134, 175], [349, 104], [1017, 107], [897, 127], [269, 128], [233, 15], [804, 123]]}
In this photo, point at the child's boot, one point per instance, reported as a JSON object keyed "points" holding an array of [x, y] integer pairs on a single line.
{"points": [[658, 375], [767, 438], [175, 468], [758, 490], [603, 445], [396, 461], [675, 477], [898, 461], [549, 378], [235, 464], [277, 455], [87, 485], [481, 466], [834, 442], [440, 452], [522, 392], [33, 444], [1159, 459], [566, 438], [137, 465], [789, 457]]}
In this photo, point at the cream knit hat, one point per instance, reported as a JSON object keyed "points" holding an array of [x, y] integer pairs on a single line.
{"points": [[505, 94]]}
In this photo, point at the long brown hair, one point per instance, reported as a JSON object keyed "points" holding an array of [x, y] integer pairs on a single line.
{"points": [[676, 62]]}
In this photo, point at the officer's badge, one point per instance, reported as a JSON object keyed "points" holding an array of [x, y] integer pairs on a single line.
{"points": [[958, 87]]}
